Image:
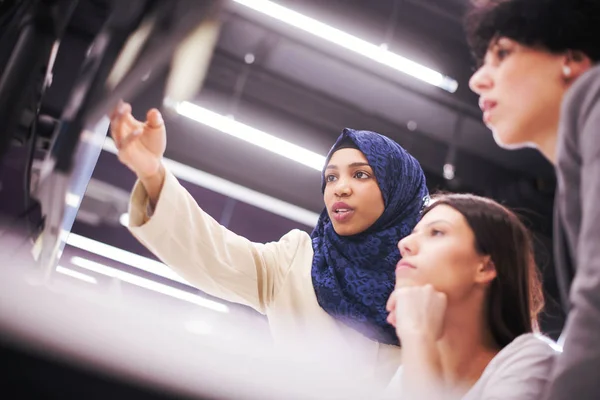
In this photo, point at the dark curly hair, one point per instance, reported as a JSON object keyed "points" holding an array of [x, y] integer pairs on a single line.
{"points": [[516, 297], [553, 25]]}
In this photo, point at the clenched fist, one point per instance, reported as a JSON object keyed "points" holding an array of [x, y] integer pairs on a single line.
{"points": [[417, 311]]}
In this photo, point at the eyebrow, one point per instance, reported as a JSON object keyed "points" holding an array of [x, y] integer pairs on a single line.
{"points": [[492, 45], [353, 165], [494, 41]]}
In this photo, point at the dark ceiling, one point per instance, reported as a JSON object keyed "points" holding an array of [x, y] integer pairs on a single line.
{"points": [[305, 90]]}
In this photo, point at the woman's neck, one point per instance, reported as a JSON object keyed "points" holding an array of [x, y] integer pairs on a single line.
{"points": [[466, 348], [546, 144]]}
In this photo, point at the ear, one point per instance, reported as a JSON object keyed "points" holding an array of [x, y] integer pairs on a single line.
{"points": [[486, 271], [575, 64]]}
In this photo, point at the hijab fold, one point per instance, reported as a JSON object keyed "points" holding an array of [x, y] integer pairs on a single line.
{"points": [[353, 276]]}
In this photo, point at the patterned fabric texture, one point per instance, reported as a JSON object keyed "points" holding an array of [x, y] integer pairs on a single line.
{"points": [[353, 276]]}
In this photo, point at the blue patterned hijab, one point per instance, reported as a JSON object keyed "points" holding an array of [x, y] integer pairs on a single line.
{"points": [[353, 276]]}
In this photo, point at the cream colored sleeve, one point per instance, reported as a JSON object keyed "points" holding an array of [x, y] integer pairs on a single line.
{"points": [[206, 254]]}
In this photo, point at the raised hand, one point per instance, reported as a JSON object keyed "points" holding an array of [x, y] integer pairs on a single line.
{"points": [[141, 145]]}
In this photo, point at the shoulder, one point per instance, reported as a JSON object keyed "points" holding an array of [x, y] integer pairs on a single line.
{"points": [[293, 244], [520, 370], [582, 97], [297, 237], [525, 351]]}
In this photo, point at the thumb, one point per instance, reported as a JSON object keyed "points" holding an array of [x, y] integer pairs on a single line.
{"points": [[154, 119]]}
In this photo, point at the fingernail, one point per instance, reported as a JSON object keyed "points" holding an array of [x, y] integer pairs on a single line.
{"points": [[137, 132], [121, 107]]}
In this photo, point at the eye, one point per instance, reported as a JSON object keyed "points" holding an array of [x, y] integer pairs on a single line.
{"points": [[502, 53], [361, 175], [330, 178], [436, 232]]}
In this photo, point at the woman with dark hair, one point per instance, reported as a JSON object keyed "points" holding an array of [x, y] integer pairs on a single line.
{"points": [[539, 84], [466, 303], [327, 287]]}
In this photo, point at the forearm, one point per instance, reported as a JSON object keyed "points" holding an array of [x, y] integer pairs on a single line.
{"points": [[204, 253], [422, 376]]}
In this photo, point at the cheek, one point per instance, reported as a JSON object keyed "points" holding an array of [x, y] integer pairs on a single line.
{"points": [[448, 268], [373, 200], [529, 104], [326, 195]]}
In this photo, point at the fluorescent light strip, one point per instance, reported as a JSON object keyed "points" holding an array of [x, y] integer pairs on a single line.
{"points": [[352, 43], [148, 284], [75, 274], [233, 190], [123, 257], [251, 135]]}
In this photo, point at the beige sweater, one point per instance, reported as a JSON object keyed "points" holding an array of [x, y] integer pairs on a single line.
{"points": [[273, 278]]}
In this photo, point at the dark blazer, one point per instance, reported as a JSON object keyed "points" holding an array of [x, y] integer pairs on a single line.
{"points": [[577, 241]]}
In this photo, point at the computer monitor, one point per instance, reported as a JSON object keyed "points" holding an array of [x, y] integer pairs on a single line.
{"points": [[138, 37]]}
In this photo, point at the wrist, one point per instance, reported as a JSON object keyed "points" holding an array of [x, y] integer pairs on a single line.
{"points": [[157, 174], [153, 184], [417, 337]]}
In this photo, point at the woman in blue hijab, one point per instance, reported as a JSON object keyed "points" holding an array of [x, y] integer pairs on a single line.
{"points": [[329, 287], [353, 274]]}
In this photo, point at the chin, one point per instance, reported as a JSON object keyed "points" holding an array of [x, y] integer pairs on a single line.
{"points": [[508, 139], [405, 282], [344, 230], [347, 229]]}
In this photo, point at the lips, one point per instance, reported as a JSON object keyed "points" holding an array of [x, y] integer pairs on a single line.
{"points": [[404, 265], [341, 211], [487, 106]]}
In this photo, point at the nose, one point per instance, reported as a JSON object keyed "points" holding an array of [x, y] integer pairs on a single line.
{"points": [[481, 80], [408, 245], [342, 187]]}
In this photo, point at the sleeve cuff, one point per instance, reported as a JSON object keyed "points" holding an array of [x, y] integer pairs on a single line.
{"points": [[140, 208]]}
